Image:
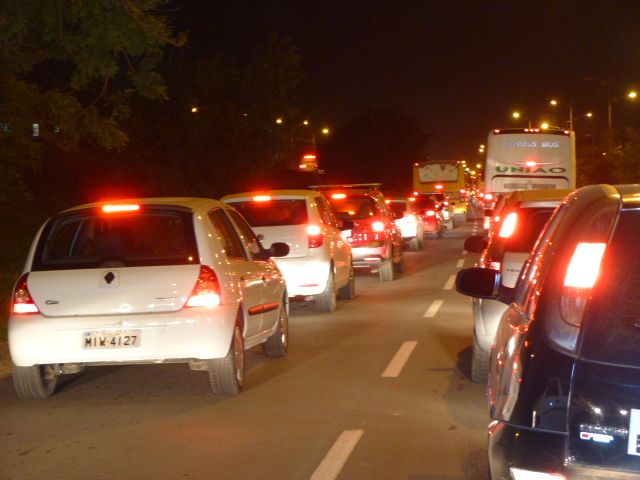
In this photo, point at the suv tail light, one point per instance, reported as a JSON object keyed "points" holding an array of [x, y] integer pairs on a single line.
{"points": [[508, 225], [377, 227], [315, 236], [206, 293], [580, 277], [22, 301]]}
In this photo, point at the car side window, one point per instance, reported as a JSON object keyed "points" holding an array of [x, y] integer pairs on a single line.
{"points": [[325, 212], [232, 243], [249, 238], [531, 281]]}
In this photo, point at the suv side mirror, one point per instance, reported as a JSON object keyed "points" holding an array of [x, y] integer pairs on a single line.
{"points": [[479, 282], [475, 244], [279, 249]]}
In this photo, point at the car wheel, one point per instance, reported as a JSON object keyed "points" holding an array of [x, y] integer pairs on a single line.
{"points": [[414, 244], [348, 292], [277, 344], [386, 271], [398, 267], [326, 301], [34, 382], [479, 363], [226, 375]]}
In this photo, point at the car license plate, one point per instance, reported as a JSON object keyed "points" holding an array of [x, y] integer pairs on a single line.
{"points": [[111, 339]]}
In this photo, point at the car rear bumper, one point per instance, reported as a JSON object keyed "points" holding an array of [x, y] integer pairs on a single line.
{"points": [[307, 276], [190, 333], [369, 256]]}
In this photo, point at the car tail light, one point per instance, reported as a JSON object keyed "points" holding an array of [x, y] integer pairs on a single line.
{"points": [[495, 266], [430, 213], [377, 227], [22, 301], [261, 198], [315, 236], [120, 208], [207, 292], [488, 196], [509, 225], [580, 277]]}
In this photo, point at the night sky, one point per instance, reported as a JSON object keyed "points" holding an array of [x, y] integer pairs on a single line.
{"points": [[459, 68]]}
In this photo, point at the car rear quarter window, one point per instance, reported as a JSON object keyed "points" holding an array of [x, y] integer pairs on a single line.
{"points": [[612, 323], [356, 207], [89, 238], [273, 213], [231, 241]]}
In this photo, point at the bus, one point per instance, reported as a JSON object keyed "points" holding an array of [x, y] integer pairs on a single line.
{"points": [[448, 178], [529, 159]]}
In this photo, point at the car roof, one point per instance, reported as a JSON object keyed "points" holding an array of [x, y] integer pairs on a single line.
{"points": [[536, 198], [192, 203], [309, 194]]}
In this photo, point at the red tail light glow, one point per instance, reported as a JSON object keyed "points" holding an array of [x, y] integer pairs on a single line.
{"points": [[377, 227], [261, 198], [120, 208], [339, 196], [22, 301], [495, 265], [315, 236], [509, 225], [488, 196], [584, 265], [207, 292]]}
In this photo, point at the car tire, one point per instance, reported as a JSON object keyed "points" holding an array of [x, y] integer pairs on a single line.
{"points": [[277, 345], [226, 374], [386, 271], [414, 244], [398, 267], [34, 382], [348, 292], [326, 301], [479, 363]]}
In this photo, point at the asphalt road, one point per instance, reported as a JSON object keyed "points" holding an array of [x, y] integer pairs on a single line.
{"points": [[378, 389]]}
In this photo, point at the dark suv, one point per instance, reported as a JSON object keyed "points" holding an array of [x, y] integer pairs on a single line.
{"points": [[376, 241], [565, 370]]}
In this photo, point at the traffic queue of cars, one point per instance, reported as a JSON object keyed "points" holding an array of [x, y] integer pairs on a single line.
{"points": [[191, 280], [564, 370]]}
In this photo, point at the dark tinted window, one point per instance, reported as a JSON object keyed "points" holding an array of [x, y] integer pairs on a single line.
{"points": [[398, 207], [529, 224], [424, 203], [355, 207], [232, 243], [612, 324], [274, 212], [153, 235]]}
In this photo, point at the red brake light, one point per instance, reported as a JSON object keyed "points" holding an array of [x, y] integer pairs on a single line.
{"points": [[120, 208], [439, 187], [488, 196], [509, 225], [584, 265], [339, 196], [206, 293], [377, 226], [315, 236], [261, 198], [530, 163], [495, 265], [22, 301]]}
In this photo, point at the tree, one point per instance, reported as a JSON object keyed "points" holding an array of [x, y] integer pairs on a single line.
{"points": [[72, 68]]}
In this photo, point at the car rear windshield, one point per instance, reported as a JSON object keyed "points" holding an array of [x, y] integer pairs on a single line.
{"points": [[398, 207], [612, 323], [90, 238], [272, 213], [529, 224], [356, 207], [424, 203]]}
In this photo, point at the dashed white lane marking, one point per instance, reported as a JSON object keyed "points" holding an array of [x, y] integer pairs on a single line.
{"points": [[333, 462], [460, 263], [433, 309], [450, 283], [395, 367]]}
